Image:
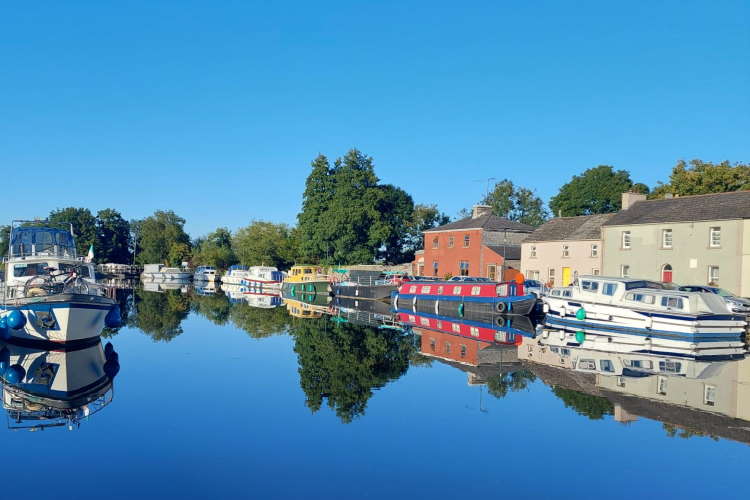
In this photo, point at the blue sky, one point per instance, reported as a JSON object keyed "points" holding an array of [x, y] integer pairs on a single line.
{"points": [[215, 109]]}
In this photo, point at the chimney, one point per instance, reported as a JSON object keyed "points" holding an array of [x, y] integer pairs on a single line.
{"points": [[480, 210], [628, 199]]}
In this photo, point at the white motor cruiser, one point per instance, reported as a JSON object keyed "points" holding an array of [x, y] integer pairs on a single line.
{"points": [[631, 311], [205, 274], [253, 276], [160, 272], [49, 293]]}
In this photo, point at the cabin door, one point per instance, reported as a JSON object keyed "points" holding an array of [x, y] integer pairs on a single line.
{"points": [[666, 273], [566, 276]]}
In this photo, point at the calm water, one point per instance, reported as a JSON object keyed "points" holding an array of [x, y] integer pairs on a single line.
{"points": [[224, 400]]}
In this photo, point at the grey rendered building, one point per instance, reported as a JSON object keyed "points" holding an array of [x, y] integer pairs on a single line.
{"points": [[690, 240]]}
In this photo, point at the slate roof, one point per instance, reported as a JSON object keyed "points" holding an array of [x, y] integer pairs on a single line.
{"points": [[487, 222], [702, 207], [583, 227], [508, 252]]}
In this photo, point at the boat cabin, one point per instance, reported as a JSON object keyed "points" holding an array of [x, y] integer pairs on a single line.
{"points": [[461, 289], [302, 273]]}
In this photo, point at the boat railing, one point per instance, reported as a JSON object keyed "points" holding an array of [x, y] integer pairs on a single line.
{"points": [[10, 294]]}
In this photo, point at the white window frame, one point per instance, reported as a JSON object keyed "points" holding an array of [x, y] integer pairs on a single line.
{"points": [[566, 251], [664, 233], [710, 274], [595, 249], [532, 252], [551, 275], [624, 274], [595, 271], [714, 231], [625, 240], [709, 394]]}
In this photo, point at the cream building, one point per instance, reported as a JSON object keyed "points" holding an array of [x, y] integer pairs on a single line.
{"points": [[562, 248], [690, 240]]}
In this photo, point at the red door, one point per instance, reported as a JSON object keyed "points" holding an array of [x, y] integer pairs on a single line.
{"points": [[666, 274]]}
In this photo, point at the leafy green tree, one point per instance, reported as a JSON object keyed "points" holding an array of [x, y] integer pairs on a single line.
{"points": [[516, 203], [501, 384], [215, 250], [423, 217], [593, 407], [673, 431], [159, 315], [315, 240], [214, 307], [161, 238], [258, 322], [395, 211], [699, 177], [598, 190], [83, 223], [113, 237], [264, 243], [342, 363]]}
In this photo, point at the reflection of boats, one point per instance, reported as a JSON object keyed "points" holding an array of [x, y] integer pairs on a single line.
{"points": [[50, 294], [299, 309], [251, 296], [163, 285], [160, 272], [630, 310], [44, 388], [480, 326], [486, 296], [205, 273], [205, 287], [699, 397], [377, 285], [365, 312], [259, 276]]}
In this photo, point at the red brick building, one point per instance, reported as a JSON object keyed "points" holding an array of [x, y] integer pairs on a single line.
{"points": [[481, 245]]}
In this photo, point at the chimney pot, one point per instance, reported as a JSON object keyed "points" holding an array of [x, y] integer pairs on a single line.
{"points": [[628, 199]]}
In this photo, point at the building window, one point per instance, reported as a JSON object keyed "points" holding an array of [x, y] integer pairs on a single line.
{"points": [[625, 271], [532, 251], [566, 251], [661, 385], [666, 238], [447, 348], [467, 239], [595, 271], [463, 351], [595, 250], [626, 240], [713, 275], [551, 276], [464, 267], [435, 242], [435, 268], [709, 395], [450, 241], [714, 237], [491, 271], [534, 275]]}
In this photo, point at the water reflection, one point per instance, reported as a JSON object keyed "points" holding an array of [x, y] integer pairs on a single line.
{"points": [[55, 388]]}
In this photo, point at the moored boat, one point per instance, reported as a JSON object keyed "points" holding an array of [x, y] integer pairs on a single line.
{"points": [[205, 273], [257, 276], [160, 272], [50, 294], [306, 279], [632, 310], [459, 296]]}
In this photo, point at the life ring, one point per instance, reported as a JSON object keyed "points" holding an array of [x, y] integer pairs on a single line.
{"points": [[500, 306]]}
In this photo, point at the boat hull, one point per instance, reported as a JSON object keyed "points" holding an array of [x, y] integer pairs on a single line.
{"points": [[376, 292], [63, 319], [520, 305]]}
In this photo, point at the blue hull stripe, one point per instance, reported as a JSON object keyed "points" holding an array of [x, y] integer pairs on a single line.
{"points": [[692, 337]]}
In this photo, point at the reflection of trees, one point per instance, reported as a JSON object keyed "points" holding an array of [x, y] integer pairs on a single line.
{"points": [[501, 384], [214, 307], [159, 315], [685, 433], [594, 407], [343, 363], [259, 322], [124, 297]]}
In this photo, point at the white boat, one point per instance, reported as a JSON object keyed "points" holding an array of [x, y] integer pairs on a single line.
{"points": [[205, 273], [50, 294], [631, 311], [52, 388], [252, 296], [160, 272], [255, 276]]}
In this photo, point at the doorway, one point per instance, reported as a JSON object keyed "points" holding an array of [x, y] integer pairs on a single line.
{"points": [[566, 276], [666, 273]]}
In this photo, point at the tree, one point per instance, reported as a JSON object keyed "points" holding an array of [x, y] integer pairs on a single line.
{"points": [[215, 250], [596, 191], [395, 209], [215, 307], [316, 200], [264, 243], [500, 385], [161, 238], [423, 217], [113, 237], [516, 203], [699, 177], [159, 315], [260, 323], [83, 224], [593, 407]]}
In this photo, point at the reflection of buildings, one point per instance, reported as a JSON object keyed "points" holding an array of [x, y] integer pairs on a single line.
{"points": [[700, 396], [56, 388]]}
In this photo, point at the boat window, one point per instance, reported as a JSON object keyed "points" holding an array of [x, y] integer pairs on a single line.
{"points": [[474, 331], [83, 271], [424, 321], [590, 286], [644, 364], [35, 269], [456, 290], [587, 364], [564, 351], [556, 293], [475, 290], [567, 293], [501, 337], [672, 302], [502, 290], [670, 366], [640, 297], [412, 319], [609, 288], [439, 324], [440, 290], [426, 289], [412, 289], [606, 365], [554, 349], [456, 327], [308, 271]]}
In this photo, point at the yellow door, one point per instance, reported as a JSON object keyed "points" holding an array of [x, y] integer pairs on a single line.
{"points": [[566, 276]]}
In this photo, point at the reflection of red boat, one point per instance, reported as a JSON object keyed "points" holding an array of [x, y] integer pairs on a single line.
{"points": [[470, 329]]}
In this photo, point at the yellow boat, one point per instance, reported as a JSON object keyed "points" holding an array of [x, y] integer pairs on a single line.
{"points": [[304, 274], [299, 309]]}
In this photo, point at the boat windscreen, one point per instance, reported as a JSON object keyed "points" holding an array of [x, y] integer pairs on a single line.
{"points": [[629, 285], [28, 240]]}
